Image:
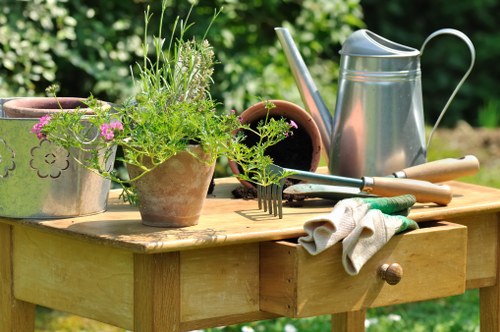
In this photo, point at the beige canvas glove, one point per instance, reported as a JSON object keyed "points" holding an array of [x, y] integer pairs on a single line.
{"points": [[326, 230], [364, 225], [369, 235]]}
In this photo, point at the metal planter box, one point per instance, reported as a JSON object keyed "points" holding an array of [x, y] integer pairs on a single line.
{"points": [[41, 180]]}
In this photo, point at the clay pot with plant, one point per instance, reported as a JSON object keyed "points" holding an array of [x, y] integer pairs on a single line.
{"points": [[36, 107], [301, 150], [170, 131]]}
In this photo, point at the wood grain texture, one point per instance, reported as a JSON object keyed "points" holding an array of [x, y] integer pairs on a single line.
{"points": [[353, 321], [157, 292], [73, 276], [422, 190], [444, 169], [228, 221], [15, 315], [482, 238], [111, 268], [489, 297], [226, 320], [319, 284], [219, 282]]}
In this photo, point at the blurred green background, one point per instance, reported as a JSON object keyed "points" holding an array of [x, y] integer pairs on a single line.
{"points": [[90, 47]]}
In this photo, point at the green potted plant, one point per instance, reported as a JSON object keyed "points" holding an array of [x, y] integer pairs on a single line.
{"points": [[302, 151], [170, 130]]}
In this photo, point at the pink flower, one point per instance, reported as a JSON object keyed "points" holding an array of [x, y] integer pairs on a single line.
{"points": [[116, 125], [293, 124], [108, 130], [38, 127]]}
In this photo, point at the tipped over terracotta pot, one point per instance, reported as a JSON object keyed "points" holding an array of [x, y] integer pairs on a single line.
{"points": [[300, 151]]}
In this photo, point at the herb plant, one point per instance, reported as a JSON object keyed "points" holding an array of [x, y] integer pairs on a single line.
{"points": [[171, 110]]}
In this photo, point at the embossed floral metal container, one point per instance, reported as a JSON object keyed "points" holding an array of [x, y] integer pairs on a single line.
{"points": [[40, 180]]}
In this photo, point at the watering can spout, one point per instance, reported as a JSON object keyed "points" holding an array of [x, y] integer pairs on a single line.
{"points": [[308, 91]]}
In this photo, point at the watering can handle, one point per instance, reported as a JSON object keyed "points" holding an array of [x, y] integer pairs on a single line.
{"points": [[472, 50]]}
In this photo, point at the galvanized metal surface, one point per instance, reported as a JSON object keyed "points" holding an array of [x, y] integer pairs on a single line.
{"points": [[40, 180], [378, 125]]}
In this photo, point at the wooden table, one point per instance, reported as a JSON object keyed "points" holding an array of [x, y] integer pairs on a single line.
{"points": [[239, 264]]}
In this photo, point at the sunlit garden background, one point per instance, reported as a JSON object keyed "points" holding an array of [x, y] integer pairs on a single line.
{"points": [[90, 47]]}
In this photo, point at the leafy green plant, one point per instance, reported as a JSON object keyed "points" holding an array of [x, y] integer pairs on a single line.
{"points": [[253, 158], [90, 45], [172, 110], [85, 46]]}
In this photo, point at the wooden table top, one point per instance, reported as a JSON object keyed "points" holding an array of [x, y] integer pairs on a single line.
{"points": [[227, 221]]}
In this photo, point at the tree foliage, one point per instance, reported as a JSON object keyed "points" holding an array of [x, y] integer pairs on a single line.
{"points": [[90, 46], [81, 45], [446, 59]]}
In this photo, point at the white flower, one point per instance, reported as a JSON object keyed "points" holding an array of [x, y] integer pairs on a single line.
{"points": [[290, 328], [394, 317], [247, 329], [370, 321]]}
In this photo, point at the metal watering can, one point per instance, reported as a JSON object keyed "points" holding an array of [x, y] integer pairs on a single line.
{"points": [[378, 124]]}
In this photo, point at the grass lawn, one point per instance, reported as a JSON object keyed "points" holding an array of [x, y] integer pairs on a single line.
{"points": [[453, 314]]}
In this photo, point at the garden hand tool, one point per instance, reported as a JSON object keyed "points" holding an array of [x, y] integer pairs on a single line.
{"points": [[363, 225], [271, 196], [433, 171], [440, 170]]}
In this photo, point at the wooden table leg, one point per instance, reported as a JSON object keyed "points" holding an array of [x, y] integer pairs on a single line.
{"points": [[15, 315], [489, 297], [157, 292], [353, 321], [489, 308]]}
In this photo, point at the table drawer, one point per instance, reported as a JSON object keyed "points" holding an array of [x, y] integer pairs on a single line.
{"points": [[296, 284]]}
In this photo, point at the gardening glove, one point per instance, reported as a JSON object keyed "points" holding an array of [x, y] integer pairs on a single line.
{"points": [[326, 230], [375, 229], [354, 219]]}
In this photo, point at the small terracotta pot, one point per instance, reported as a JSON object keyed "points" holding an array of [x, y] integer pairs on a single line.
{"points": [[36, 107], [172, 195], [302, 150]]}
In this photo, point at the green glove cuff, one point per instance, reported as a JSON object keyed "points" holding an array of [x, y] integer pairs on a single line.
{"points": [[392, 205], [406, 224]]}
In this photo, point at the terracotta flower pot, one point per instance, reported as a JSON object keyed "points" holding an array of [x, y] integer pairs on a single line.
{"points": [[36, 107], [300, 151], [172, 195]]}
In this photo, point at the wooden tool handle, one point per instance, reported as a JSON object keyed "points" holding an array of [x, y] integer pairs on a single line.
{"points": [[441, 170], [423, 191]]}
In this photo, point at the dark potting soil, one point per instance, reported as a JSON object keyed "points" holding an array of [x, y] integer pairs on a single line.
{"points": [[251, 193], [293, 152], [211, 187]]}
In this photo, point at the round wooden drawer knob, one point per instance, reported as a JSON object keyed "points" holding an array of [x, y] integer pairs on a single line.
{"points": [[391, 273]]}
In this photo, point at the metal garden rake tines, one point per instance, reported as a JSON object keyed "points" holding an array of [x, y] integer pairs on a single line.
{"points": [[270, 197]]}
